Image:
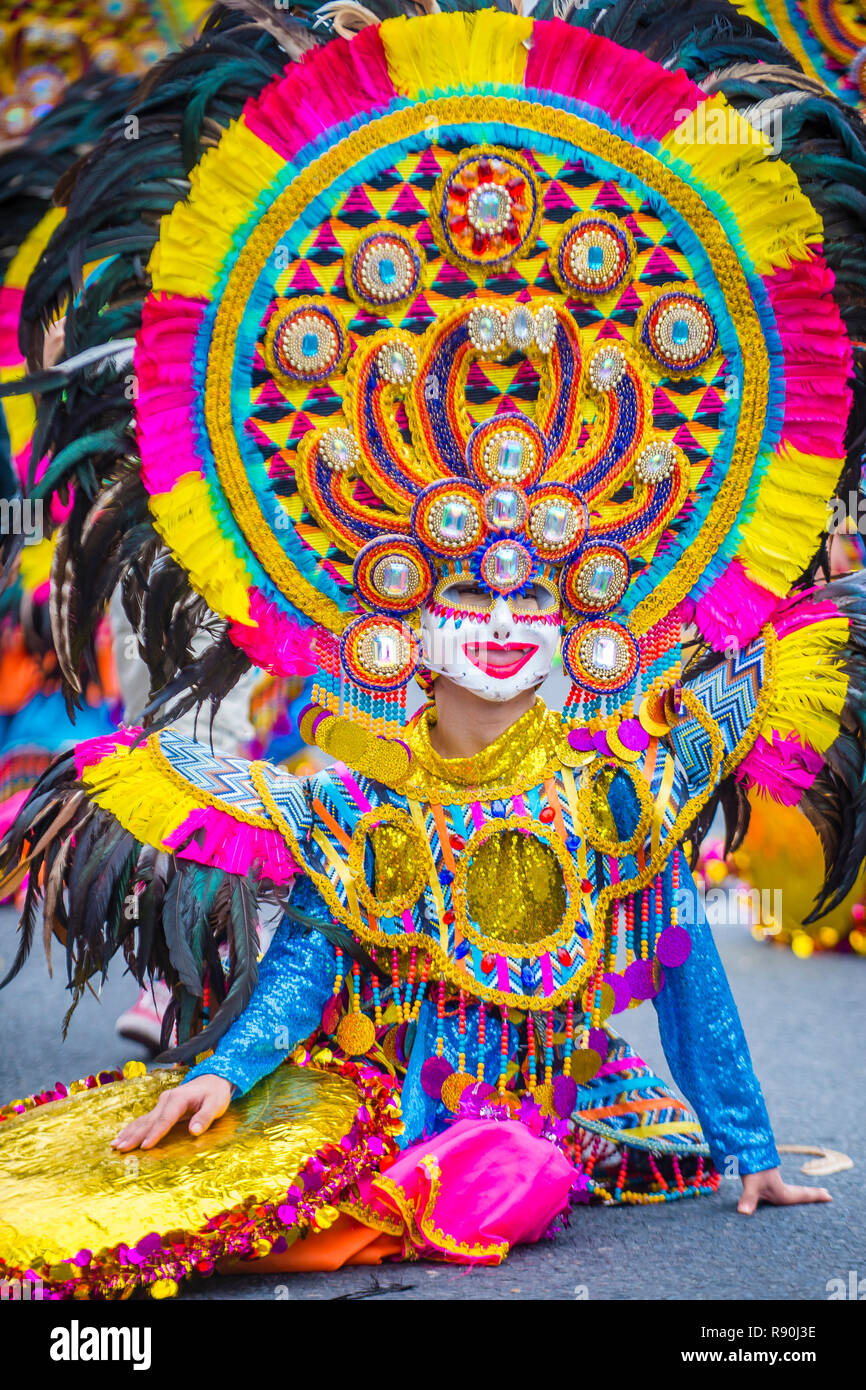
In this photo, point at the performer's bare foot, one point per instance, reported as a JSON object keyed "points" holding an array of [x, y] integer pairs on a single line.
{"points": [[770, 1187]]}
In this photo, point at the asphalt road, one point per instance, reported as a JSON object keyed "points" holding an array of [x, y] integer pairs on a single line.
{"points": [[804, 1020]]}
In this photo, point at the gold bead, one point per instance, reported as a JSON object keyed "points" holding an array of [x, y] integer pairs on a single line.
{"points": [[355, 1034], [453, 1088]]}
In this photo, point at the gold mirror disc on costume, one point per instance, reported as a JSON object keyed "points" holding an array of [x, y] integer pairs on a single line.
{"points": [[64, 1189], [585, 1062], [515, 890]]}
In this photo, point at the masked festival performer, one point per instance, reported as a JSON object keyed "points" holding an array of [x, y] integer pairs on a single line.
{"points": [[460, 344]]}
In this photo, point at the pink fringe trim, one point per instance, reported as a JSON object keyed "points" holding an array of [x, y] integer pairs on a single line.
{"points": [[233, 846], [163, 357], [818, 357], [346, 79], [94, 750], [734, 609], [796, 612], [785, 769], [628, 87], [11, 300], [276, 644]]}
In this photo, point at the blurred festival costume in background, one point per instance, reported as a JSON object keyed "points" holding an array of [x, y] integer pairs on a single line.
{"points": [[770, 883], [827, 38], [47, 45], [459, 340], [66, 73]]}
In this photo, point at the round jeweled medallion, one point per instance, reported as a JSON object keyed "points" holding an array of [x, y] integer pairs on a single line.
{"points": [[383, 269], [486, 209], [678, 332], [304, 342], [338, 448], [597, 580], [593, 257]]}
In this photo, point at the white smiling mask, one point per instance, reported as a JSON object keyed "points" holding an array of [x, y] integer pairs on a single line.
{"points": [[496, 653]]}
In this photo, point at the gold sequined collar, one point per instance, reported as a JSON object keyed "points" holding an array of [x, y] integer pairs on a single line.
{"points": [[521, 757]]}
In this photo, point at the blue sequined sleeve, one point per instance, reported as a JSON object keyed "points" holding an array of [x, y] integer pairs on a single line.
{"points": [[295, 980], [706, 1049]]}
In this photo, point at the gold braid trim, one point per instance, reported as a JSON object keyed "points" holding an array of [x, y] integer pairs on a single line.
{"points": [[420, 1227], [369, 1216]]}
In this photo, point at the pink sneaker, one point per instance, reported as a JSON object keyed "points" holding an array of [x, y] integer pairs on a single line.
{"points": [[142, 1023]]}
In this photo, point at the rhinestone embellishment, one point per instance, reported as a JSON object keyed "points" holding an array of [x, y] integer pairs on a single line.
{"points": [[338, 448], [606, 367], [489, 209], [396, 577], [397, 363], [505, 509], [453, 520], [506, 566], [486, 328], [305, 344], [656, 461]]}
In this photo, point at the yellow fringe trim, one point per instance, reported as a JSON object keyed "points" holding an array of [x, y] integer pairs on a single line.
{"points": [[455, 50], [148, 805], [23, 263], [776, 222], [790, 515], [810, 686], [185, 519], [35, 563], [225, 186], [19, 412]]}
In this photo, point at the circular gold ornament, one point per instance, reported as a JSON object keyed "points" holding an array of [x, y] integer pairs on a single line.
{"points": [[453, 1088], [543, 1097], [585, 1062], [401, 856], [651, 715], [355, 1034], [619, 750], [608, 1001]]}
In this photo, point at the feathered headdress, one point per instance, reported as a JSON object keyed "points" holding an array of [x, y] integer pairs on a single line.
{"points": [[470, 292]]}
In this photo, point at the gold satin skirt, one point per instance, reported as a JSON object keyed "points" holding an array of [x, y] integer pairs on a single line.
{"points": [[82, 1220]]}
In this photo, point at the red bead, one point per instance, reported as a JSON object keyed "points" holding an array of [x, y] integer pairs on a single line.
{"points": [[448, 917], [547, 816], [457, 842], [564, 956], [586, 885], [487, 963]]}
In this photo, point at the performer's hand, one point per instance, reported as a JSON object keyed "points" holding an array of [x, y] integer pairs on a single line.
{"points": [[205, 1099], [769, 1187]]}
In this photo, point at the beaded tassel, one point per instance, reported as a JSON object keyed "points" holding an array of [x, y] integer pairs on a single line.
{"points": [[410, 984], [395, 983], [629, 930], [461, 1030], [569, 1038], [338, 978], [440, 1018], [659, 913], [503, 1053], [548, 1052], [482, 1030], [422, 987], [644, 924], [531, 1059]]}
